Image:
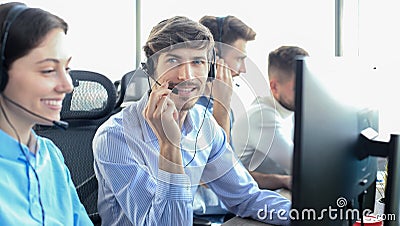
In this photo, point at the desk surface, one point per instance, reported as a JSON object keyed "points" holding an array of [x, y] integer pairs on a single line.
{"points": [[238, 221]]}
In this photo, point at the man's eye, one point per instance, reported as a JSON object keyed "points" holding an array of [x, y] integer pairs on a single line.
{"points": [[48, 71], [198, 61], [172, 60]]}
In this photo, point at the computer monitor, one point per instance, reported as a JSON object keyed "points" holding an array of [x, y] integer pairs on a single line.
{"points": [[392, 191], [331, 180]]}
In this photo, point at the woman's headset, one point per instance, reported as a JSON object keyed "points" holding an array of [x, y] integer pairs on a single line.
{"points": [[13, 13]]}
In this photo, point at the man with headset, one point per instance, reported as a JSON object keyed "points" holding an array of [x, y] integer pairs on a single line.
{"points": [[231, 36], [150, 157]]}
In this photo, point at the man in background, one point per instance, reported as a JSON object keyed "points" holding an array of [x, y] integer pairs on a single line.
{"points": [[231, 36], [263, 138]]}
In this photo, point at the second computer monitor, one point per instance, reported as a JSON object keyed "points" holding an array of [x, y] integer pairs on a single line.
{"points": [[331, 111]]}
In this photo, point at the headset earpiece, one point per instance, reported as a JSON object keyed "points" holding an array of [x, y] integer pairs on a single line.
{"points": [[144, 68], [149, 67], [211, 72], [12, 14], [220, 29], [220, 25], [3, 79]]}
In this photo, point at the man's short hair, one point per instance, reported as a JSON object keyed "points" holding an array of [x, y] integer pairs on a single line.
{"points": [[231, 29], [173, 31], [284, 59]]}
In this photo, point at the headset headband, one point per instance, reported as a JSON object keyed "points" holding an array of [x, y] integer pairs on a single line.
{"points": [[12, 15], [220, 26]]}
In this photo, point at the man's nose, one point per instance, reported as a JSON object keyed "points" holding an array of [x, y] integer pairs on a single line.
{"points": [[185, 71]]}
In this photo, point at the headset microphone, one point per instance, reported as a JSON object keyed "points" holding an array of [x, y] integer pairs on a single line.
{"points": [[213, 66], [59, 124], [175, 91], [144, 69]]}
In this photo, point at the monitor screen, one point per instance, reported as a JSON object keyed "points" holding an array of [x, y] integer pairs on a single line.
{"points": [[331, 111]]}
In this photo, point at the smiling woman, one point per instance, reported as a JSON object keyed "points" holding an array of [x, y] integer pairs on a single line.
{"points": [[33, 82]]}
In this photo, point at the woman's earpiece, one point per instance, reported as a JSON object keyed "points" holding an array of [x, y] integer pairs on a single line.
{"points": [[13, 13]]}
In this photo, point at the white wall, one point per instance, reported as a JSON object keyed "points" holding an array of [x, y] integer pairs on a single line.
{"points": [[103, 35], [308, 24]]}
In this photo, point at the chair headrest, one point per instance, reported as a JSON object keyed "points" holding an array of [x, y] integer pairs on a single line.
{"points": [[132, 86], [94, 96]]}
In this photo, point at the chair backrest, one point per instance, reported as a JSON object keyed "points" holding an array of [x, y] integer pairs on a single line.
{"points": [[85, 109], [131, 87]]}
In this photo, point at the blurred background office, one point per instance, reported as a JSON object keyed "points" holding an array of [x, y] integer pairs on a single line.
{"points": [[107, 37]]}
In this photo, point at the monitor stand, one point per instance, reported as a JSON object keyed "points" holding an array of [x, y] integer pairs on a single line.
{"points": [[391, 150]]}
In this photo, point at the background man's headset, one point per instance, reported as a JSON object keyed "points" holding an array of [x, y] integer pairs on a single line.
{"points": [[220, 29], [12, 15], [220, 26]]}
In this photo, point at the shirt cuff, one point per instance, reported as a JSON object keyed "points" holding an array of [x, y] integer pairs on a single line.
{"points": [[174, 186]]}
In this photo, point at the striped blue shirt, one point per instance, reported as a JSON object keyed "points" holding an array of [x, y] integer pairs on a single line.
{"points": [[134, 191], [21, 191]]}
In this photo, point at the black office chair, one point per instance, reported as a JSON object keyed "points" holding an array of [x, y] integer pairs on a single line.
{"points": [[85, 109], [131, 87]]}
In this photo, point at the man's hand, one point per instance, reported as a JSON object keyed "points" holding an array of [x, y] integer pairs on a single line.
{"points": [[272, 181], [222, 85], [222, 94], [162, 116]]}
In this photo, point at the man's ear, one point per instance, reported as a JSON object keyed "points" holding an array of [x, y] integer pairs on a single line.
{"points": [[273, 84]]}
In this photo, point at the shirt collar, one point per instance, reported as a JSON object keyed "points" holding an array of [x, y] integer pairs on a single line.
{"points": [[272, 102], [206, 102], [10, 147], [284, 112]]}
